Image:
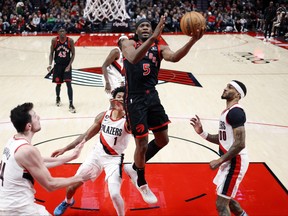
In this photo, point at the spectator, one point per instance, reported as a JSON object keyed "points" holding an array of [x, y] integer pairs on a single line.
{"points": [[269, 16]]}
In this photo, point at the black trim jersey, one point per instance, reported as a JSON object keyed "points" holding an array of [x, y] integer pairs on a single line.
{"points": [[62, 51], [144, 74]]}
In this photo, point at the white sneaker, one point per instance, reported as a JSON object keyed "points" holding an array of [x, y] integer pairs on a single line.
{"points": [[147, 195], [131, 173]]}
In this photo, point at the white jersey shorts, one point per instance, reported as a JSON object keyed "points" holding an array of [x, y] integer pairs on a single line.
{"points": [[99, 161], [229, 176]]}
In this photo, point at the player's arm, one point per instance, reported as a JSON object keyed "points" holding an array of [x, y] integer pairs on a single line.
{"points": [[57, 161], [91, 132], [51, 55], [171, 56], [72, 46], [135, 55], [236, 118], [237, 146], [30, 159], [113, 55]]}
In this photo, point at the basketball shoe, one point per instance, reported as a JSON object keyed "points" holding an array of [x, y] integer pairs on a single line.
{"points": [[147, 195], [72, 109], [62, 207]]}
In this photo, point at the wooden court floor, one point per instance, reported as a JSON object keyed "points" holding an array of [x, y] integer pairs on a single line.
{"points": [[213, 62]]}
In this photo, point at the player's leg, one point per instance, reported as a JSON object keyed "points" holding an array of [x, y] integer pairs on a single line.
{"points": [[69, 201], [71, 190], [67, 77], [236, 209], [70, 96], [114, 178], [158, 122], [222, 205], [58, 79], [139, 159], [137, 112], [57, 90], [155, 145]]}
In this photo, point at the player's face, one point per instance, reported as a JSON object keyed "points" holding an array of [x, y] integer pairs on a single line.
{"points": [[62, 32], [144, 31], [118, 101], [229, 92], [35, 121]]}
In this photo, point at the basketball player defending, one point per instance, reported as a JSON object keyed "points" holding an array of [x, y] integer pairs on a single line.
{"points": [[112, 67], [63, 50], [22, 163], [233, 162], [142, 59], [107, 154]]}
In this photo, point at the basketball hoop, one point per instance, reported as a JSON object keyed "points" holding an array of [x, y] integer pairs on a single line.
{"points": [[109, 9]]}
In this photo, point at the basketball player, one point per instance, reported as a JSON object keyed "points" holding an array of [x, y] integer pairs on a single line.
{"points": [[142, 59], [63, 50], [112, 68], [107, 154], [22, 163], [233, 162]]}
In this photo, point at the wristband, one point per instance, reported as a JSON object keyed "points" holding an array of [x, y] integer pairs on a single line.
{"points": [[204, 135]]}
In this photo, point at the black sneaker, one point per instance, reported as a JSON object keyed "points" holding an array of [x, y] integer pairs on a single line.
{"points": [[72, 109], [58, 101]]}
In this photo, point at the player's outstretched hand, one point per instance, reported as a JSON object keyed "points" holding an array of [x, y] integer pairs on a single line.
{"points": [[159, 28], [58, 152], [196, 123]]}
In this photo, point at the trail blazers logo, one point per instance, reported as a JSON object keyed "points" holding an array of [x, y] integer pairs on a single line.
{"points": [[93, 77]]}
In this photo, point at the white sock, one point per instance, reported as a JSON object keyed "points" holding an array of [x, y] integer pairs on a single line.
{"points": [[68, 200], [244, 213]]}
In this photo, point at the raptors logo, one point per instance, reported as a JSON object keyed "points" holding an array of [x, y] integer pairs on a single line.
{"points": [[140, 128]]}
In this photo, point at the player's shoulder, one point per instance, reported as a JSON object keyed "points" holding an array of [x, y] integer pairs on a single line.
{"points": [[26, 151], [54, 39], [100, 116], [116, 50]]}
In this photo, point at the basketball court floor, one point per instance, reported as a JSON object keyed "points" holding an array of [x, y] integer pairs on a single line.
{"points": [[179, 174]]}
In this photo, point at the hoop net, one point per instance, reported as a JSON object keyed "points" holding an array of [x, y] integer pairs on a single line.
{"points": [[101, 9]]}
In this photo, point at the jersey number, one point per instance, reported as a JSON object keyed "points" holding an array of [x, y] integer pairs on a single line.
{"points": [[115, 140], [146, 69], [2, 168], [222, 135], [62, 54]]}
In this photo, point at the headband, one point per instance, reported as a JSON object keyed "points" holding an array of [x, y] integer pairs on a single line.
{"points": [[141, 21], [122, 37], [238, 88]]}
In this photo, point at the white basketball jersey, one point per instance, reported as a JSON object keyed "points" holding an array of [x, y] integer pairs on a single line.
{"points": [[226, 136], [114, 135], [16, 184], [114, 71]]}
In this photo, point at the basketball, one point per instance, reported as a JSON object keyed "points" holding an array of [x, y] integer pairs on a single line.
{"points": [[193, 23]]}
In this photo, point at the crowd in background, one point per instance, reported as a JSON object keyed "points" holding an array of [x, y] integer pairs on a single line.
{"points": [[38, 16]]}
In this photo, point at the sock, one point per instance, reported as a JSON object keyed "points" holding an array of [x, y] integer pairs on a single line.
{"points": [[244, 213], [58, 89], [68, 200], [141, 177], [70, 92], [152, 150]]}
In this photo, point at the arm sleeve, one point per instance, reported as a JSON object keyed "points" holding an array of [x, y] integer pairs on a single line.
{"points": [[236, 117]]}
